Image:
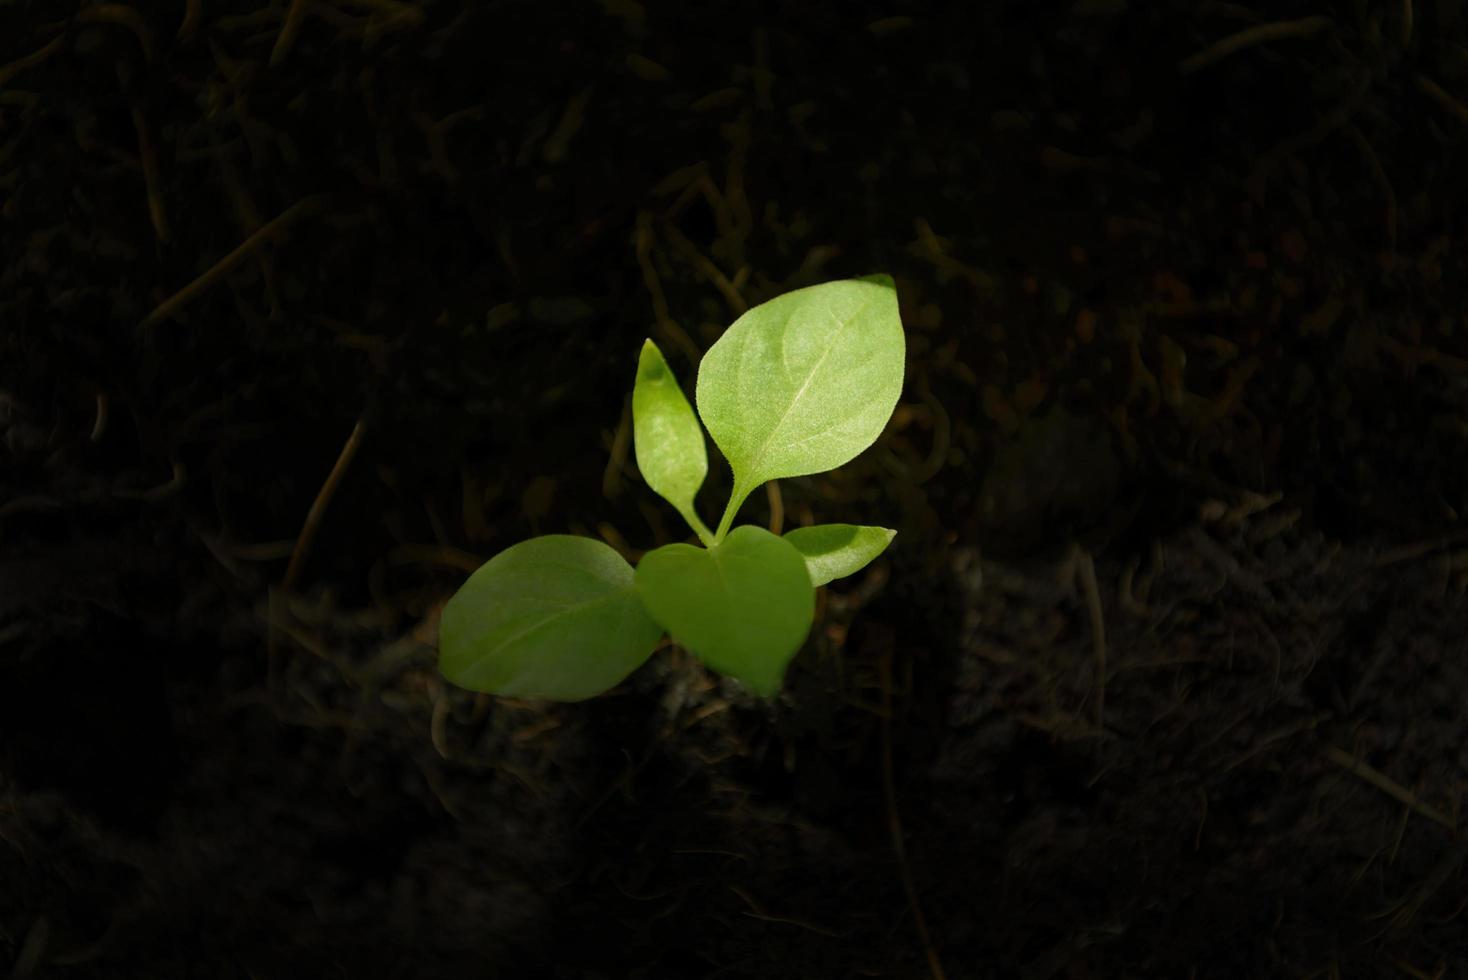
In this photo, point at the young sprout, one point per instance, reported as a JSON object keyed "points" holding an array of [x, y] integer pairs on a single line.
{"points": [[798, 385]]}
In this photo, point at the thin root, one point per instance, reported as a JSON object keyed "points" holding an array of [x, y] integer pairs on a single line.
{"points": [[1248, 38], [894, 824], [438, 727], [708, 270], [288, 31], [171, 306], [7, 72], [193, 14], [1087, 568], [756, 912], [611, 477], [1387, 785], [642, 245], [319, 505], [156, 214], [99, 427], [1442, 97], [1378, 173], [123, 16], [777, 506]]}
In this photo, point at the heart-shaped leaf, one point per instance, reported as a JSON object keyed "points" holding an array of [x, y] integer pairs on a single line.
{"points": [[553, 617], [805, 382], [833, 551], [667, 437], [744, 606]]}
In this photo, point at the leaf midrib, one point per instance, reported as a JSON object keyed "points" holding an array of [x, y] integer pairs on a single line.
{"points": [[558, 614], [759, 455]]}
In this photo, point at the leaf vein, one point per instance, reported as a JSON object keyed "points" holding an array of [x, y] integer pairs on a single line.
{"points": [[759, 454]]}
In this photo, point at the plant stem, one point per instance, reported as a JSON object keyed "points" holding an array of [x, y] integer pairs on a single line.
{"points": [[699, 528], [735, 499]]}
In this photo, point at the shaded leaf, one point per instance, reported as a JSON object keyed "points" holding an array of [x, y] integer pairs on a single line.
{"points": [[553, 617], [743, 607], [833, 551]]}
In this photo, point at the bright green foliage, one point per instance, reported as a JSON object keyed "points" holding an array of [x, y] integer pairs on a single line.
{"points": [[833, 551], [798, 385], [552, 617], [803, 383], [668, 439], [743, 606]]}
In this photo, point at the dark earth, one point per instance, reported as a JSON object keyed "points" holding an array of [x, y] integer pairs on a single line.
{"points": [[308, 308]]}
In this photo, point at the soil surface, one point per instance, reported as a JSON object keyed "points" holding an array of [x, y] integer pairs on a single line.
{"points": [[308, 308]]}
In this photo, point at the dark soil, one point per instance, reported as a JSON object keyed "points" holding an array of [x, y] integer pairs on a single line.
{"points": [[1164, 676]]}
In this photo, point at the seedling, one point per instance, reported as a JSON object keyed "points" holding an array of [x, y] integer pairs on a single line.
{"points": [[796, 386]]}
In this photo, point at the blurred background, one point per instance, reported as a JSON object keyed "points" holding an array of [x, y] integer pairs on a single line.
{"points": [[309, 307]]}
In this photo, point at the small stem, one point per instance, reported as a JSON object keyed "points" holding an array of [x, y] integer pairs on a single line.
{"points": [[735, 500], [699, 528]]}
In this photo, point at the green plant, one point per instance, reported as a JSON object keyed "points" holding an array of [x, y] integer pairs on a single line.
{"points": [[796, 386]]}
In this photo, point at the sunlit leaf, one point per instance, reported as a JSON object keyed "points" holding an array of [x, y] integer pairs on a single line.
{"points": [[667, 436], [805, 382], [553, 617]]}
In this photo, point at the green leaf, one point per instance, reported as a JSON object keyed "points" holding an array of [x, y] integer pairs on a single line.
{"points": [[744, 607], [803, 383], [553, 617], [668, 439], [833, 551]]}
